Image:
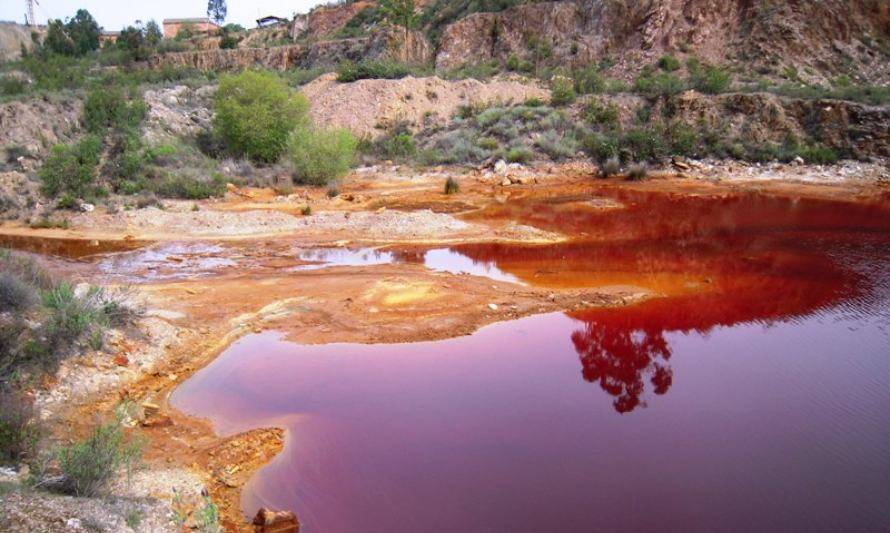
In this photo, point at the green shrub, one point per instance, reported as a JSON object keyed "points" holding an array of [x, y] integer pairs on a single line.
{"points": [[637, 171], [19, 429], [489, 116], [661, 84], [516, 64], [556, 146], [451, 186], [10, 86], [189, 188], [488, 143], [602, 146], [398, 144], [71, 316], [642, 144], [590, 80], [71, 169], [533, 101], [819, 154], [89, 465], [669, 63], [107, 106], [255, 113], [320, 156], [610, 167], [601, 114], [562, 91], [519, 154], [713, 80], [348, 71], [15, 295]]}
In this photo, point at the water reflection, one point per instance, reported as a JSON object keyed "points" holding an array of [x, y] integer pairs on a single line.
{"points": [[618, 358]]}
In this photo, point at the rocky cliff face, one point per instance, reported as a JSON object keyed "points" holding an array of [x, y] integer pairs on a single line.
{"points": [[820, 39], [319, 53]]}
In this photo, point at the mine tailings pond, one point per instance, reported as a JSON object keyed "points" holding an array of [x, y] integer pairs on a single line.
{"points": [[752, 395]]}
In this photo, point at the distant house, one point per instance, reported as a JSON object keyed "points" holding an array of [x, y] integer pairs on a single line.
{"points": [[197, 25], [108, 37], [271, 20]]}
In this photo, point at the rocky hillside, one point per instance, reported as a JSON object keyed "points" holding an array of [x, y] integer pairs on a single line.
{"points": [[813, 40], [807, 41], [12, 37]]}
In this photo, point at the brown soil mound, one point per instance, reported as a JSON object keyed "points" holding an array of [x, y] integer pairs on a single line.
{"points": [[367, 107]]}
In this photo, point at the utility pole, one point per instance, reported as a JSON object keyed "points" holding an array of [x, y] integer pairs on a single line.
{"points": [[31, 20]]}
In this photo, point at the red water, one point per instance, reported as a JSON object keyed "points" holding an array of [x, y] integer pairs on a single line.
{"points": [[754, 396]]}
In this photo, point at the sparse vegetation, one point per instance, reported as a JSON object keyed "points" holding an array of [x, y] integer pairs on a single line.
{"points": [[451, 186], [637, 171], [610, 167], [90, 464], [372, 69], [19, 429], [51, 317]]}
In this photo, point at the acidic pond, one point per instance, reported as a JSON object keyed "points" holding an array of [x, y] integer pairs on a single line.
{"points": [[752, 395]]}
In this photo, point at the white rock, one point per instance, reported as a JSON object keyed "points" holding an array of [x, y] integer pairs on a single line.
{"points": [[493, 307], [87, 208], [500, 166]]}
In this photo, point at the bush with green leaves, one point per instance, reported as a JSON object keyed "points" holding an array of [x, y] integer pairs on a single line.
{"points": [[188, 187], [255, 114], [397, 144], [320, 156], [387, 69], [72, 168], [602, 114], [711, 80], [589, 80], [652, 84], [20, 430], [451, 186], [90, 464], [562, 91], [669, 63], [610, 167], [637, 171]]}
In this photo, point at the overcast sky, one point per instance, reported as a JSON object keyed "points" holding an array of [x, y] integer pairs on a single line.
{"points": [[115, 14]]}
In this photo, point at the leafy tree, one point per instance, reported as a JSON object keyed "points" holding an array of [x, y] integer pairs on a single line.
{"points": [[84, 32], [133, 40], [255, 113], [57, 40], [401, 13], [153, 33], [216, 10]]}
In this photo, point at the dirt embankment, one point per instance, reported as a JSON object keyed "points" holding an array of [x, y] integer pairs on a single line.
{"points": [[37, 124], [367, 106]]}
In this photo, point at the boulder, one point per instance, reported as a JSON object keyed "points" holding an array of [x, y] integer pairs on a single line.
{"points": [[269, 521]]}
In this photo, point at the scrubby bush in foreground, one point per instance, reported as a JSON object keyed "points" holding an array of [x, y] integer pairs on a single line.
{"points": [[255, 113], [89, 465], [19, 431], [320, 156], [71, 169]]}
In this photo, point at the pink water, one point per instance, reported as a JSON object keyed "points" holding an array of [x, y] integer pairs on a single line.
{"points": [[757, 400]]}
